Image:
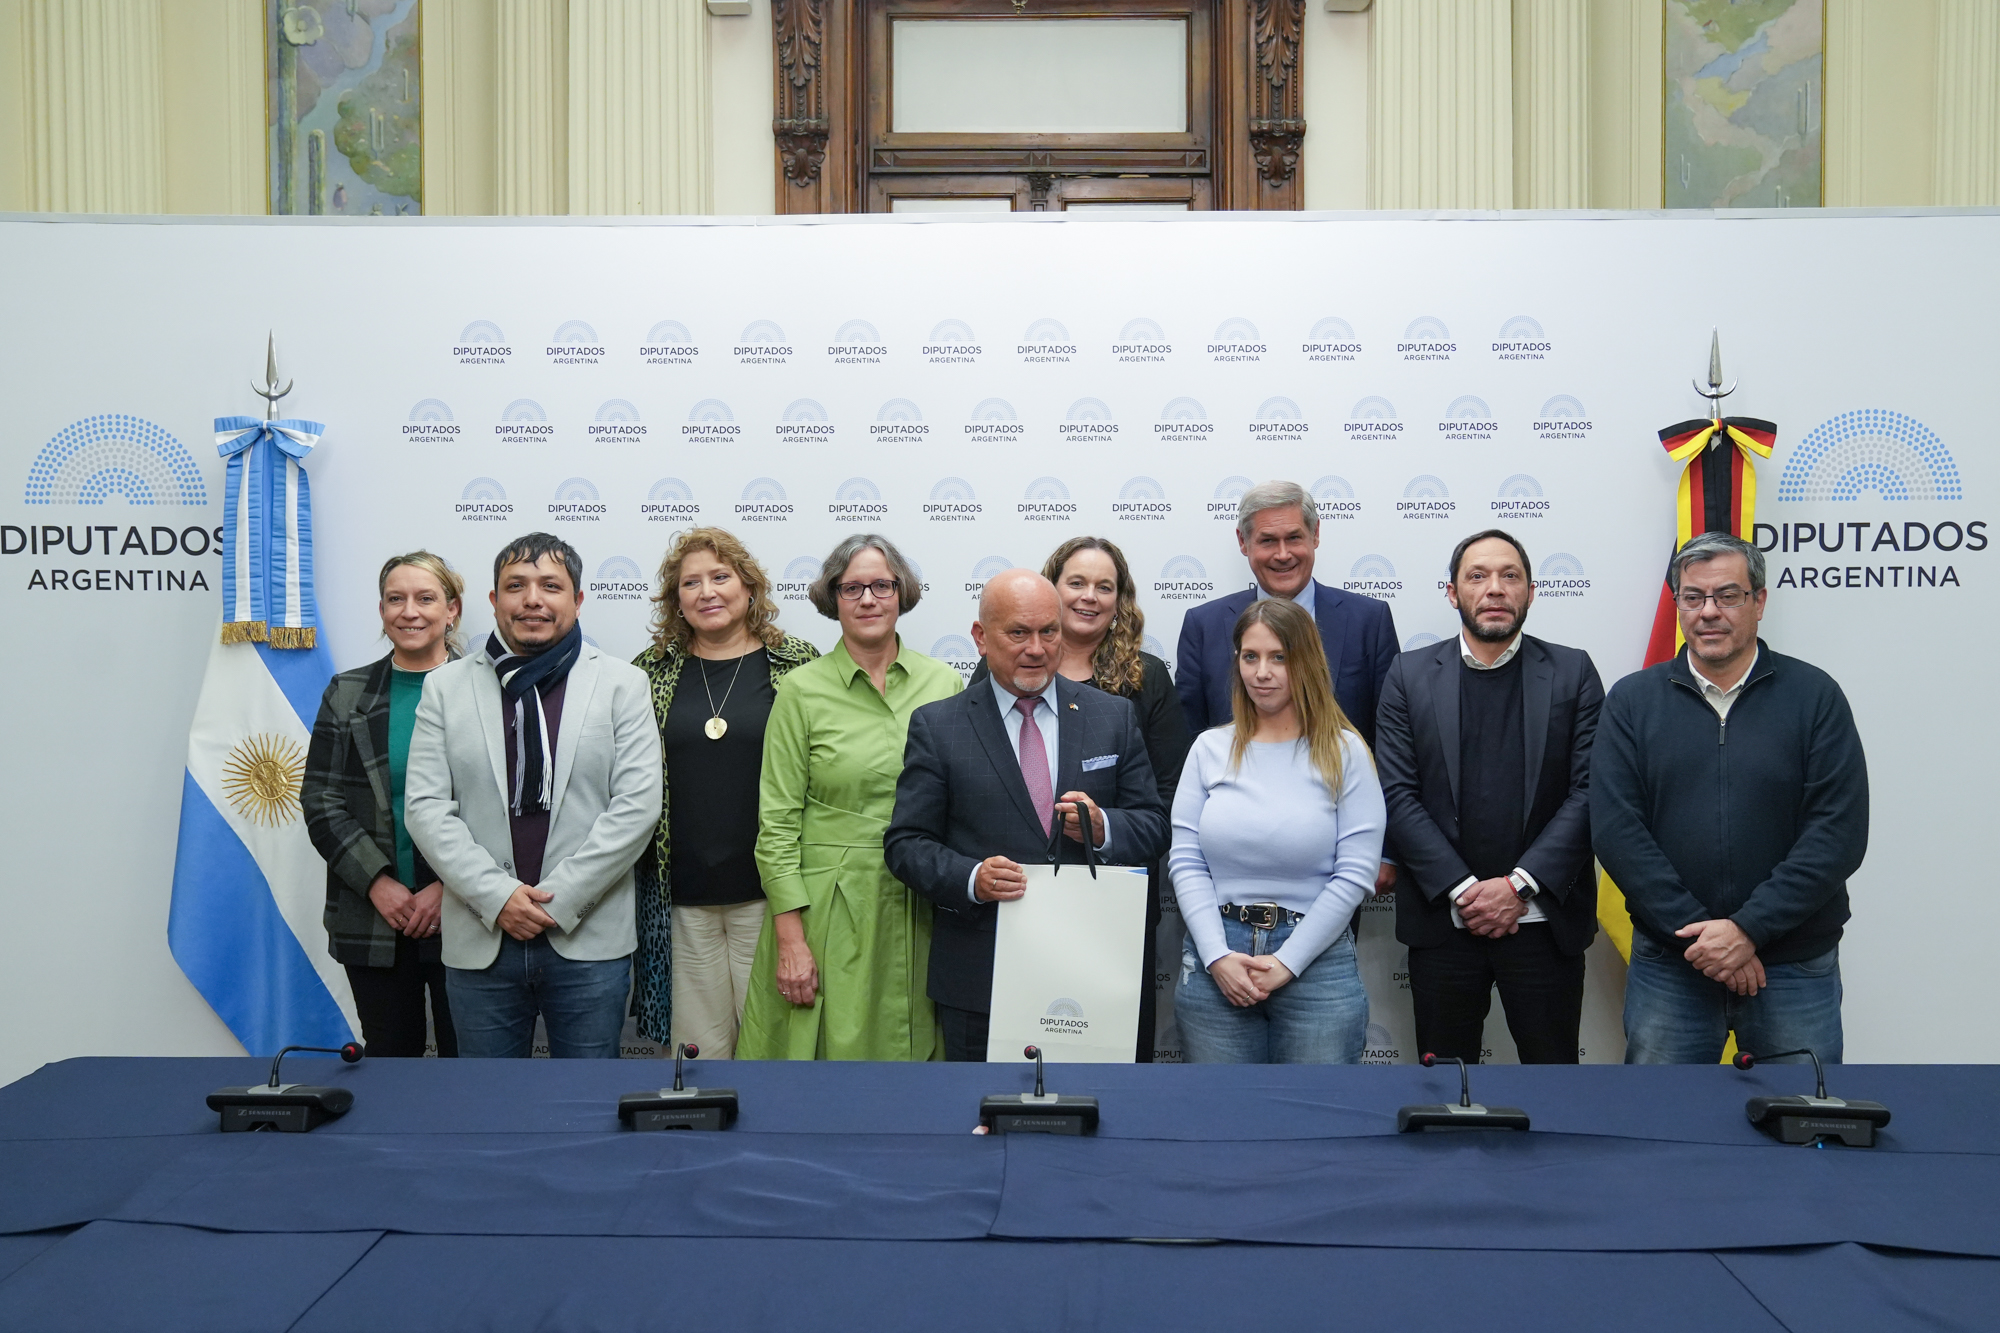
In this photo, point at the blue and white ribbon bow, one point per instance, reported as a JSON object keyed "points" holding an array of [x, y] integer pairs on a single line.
{"points": [[267, 566]]}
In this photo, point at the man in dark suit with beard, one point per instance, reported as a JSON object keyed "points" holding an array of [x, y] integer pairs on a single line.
{"points": [[1483, 746], [978, 794]]}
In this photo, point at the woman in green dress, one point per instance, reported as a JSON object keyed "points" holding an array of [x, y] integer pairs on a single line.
{"points": [[845, 949]]}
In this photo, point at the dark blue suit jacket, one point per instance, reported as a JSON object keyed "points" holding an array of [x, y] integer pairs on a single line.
{"points": [[961, 799], [1360, 638]]}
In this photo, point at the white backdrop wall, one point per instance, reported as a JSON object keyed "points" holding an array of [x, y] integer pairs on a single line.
{"points": [[979, 390]]}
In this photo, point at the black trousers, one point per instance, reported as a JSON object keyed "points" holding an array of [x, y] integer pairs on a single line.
{"points": [[964, 1033], [390, 1000], [1541, 990]]}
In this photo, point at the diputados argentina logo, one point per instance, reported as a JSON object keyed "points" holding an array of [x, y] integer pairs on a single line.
{"points": [[1373, 420], [1279, 421], [1236, 340], [1520, 497], [763, 502], [484, 500], [1331, 340], [762, 344], [618, 421], [1335, 500], [1468, 418], [899, 419], [1223, 504], [1182, 579], [575, 344], [670, 500], [952, 344], [856, 343], [524, 419], [710, 419], [1183, 421], [431, 419], [482, 344], [1562, 418], [576, 501], [1427, 339], [952, 501], [1373, 576], [1140, 341], [1142, 499], [1521, 339], [1064, 1018], [1088, 418], [1046, 501], [857, 499], [668, 343], [993, 420], [1561, 575], [1426, 497], [804, 419], [84, 465], [1886, 458], [1045, 342], [620, 579]]}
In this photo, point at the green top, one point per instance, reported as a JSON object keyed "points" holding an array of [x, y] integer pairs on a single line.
{"points": [[405, 688], [833, 750]]}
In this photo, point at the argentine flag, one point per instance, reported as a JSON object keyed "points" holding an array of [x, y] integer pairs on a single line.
{"points": [[249, 887]]}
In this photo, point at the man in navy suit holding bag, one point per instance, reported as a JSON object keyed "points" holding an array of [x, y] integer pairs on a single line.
{"points": [[986, 774]]}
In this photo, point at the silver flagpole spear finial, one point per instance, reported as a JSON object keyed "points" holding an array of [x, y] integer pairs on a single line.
{"points": [[271, 393], [1715, 393]]}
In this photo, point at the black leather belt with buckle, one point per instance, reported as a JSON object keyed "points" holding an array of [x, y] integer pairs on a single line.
{"points": [[1261, 916]]}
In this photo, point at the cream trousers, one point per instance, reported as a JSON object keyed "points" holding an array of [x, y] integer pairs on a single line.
{"points": [[713, 950]]}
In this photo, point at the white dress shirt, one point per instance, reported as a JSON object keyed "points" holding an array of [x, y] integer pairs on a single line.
{"points": [[1048, 721], [1521, 878], [1720, 699], [1305, 601]]}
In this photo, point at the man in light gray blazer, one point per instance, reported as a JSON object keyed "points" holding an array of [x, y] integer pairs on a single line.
{"points": [[533, 785]]}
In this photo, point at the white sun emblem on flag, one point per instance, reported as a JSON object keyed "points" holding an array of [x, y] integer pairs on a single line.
{"points": [[261, 778]]}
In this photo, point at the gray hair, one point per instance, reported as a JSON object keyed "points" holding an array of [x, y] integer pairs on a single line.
{"points": [[824, 590], [1275, 495], [1709, 545]]}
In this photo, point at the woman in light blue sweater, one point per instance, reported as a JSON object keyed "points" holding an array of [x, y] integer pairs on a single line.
{"points": [[1269, 862]]}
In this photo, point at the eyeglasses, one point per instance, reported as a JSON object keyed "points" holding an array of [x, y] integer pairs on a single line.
{"points": [[851, 592], [1728, 599]]}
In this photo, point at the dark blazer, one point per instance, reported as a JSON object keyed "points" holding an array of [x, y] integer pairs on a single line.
{"points": [[1360, 638], [961, 799], [345, 794], [1417, 756]]}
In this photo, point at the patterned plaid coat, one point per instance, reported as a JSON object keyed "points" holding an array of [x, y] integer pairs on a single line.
{"points": [[653, 964], [345, 792]]}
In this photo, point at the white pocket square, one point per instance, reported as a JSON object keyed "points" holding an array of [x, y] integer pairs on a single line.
{"points": [[1102, 761]]}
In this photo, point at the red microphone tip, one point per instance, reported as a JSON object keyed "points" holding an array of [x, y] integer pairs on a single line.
{"points": [[691, 1050], [1030, 1052], [1744, 1060], [352, 1052], [1427, 1059]]}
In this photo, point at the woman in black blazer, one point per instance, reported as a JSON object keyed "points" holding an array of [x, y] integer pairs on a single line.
{"points": [[1102, 630]]}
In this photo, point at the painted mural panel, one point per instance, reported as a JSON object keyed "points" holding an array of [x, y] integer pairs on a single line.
{"points": [[345, 107]]}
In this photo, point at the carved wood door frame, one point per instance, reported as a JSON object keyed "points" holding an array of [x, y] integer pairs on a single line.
{"points": [[835, 154]]}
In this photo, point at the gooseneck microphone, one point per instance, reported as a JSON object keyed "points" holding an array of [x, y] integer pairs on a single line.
{"points": [[1817, 1119], [289, 1108], [351, 1054], [679, 1107], [1468, 1114], [1037, 1112]]}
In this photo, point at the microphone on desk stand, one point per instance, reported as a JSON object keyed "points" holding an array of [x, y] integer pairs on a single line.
{"points": [[1813, 1119], [679, 1107], [1468, 1114], [1037, 1112], [289, 1108]]}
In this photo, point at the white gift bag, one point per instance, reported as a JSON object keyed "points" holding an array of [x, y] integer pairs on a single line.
{"points": [[1067, 966]]}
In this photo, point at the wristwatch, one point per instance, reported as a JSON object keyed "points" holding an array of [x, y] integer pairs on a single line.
{"points": [[1524, 888]]}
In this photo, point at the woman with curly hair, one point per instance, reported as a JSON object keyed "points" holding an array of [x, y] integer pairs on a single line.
{"points": [[715, 662], [1102, 630]]}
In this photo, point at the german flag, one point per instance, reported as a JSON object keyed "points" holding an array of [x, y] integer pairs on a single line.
{"points": [[1718, 493]]}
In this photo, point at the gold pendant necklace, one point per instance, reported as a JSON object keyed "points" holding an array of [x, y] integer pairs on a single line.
{"points": [[718, 726]]}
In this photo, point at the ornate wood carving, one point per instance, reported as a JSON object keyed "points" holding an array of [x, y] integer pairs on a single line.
{"points": [[1277, 126], [801, 125], [1038, 191]]}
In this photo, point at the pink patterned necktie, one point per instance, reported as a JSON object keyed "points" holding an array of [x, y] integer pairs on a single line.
{"points": [[1035, 764]]}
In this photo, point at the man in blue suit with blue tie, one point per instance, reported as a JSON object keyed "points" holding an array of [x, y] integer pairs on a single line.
{"points": [[1277, 529]]}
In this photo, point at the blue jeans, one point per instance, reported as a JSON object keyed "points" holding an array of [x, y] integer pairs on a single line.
{"points": [[1319, 1018], [1676, 1016], [581, 1003]]}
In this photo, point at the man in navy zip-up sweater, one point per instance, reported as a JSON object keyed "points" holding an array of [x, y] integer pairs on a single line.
{"points": [[1729, 801]]}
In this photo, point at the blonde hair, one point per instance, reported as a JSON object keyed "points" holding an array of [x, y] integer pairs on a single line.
{"points": [[447, 577], [671, 630], [1115, 666], [1320, 718]]}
